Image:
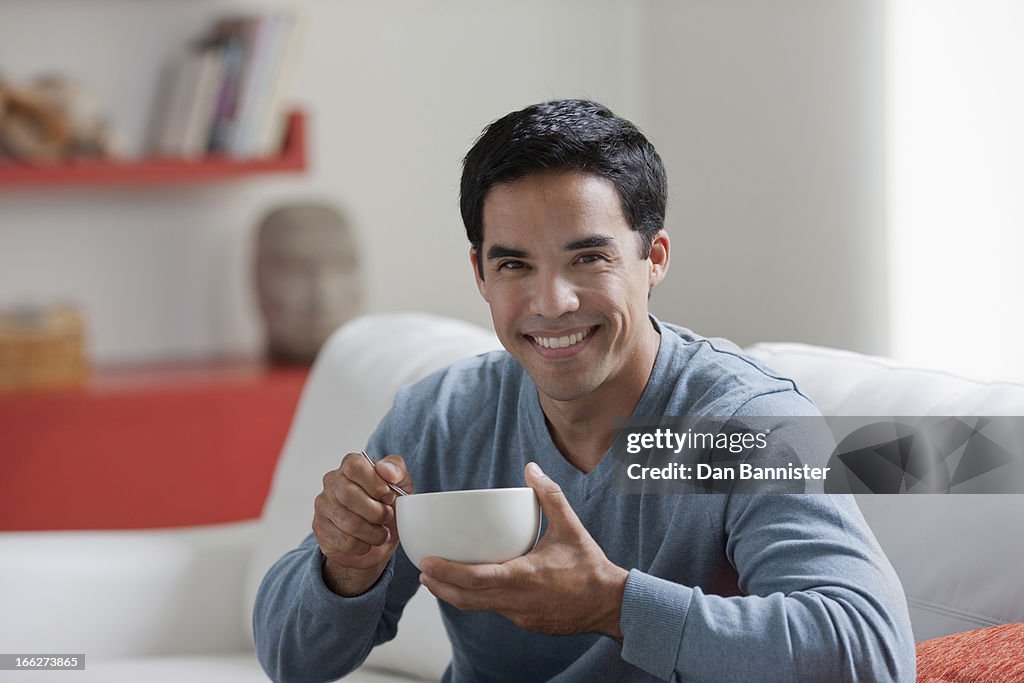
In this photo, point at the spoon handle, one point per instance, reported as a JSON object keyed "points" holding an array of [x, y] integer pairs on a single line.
{"points": [[397, 489]]}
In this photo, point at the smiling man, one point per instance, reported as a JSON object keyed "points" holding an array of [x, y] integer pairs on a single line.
{"points": [[564, 207], [567, 280]]}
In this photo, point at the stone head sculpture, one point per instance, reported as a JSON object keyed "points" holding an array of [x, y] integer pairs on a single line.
{"points": [[308, 278]]}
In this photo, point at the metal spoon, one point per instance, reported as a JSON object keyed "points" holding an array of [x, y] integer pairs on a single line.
{"points": [[397, 489]]}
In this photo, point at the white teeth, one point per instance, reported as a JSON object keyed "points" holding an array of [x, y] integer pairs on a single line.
{"points": [[562, 342]]}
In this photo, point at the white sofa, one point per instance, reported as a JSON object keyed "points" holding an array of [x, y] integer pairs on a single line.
{"points": [[175, 604]]}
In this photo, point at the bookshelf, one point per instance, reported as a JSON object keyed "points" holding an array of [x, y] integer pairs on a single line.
{"points": [[152, 445], [161, 171]]}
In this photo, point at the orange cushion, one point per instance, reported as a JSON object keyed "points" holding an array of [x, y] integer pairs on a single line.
{"points": [[989, 654]]}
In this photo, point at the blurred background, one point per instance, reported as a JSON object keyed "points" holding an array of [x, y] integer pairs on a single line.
{"points": [[841, 173]]}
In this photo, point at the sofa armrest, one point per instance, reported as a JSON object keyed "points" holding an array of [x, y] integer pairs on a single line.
{"points": [[125, 593]]}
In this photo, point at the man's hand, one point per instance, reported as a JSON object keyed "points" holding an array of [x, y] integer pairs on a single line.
{"points": [[354, 521], [565, 585]]}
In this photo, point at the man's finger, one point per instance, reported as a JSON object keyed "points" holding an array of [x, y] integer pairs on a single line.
{"points": [[393, 469], [470, 576], [552, 501], [362, 473], [350, 495], [464, 598]]}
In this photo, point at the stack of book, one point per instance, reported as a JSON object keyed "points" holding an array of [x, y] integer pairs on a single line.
{"points": [[226, 94]]}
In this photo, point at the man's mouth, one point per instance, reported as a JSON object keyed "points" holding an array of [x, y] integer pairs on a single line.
{"points": [[561, 341]]}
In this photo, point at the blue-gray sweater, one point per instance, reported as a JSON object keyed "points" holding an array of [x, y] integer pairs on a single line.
{"points": [[721, 587]]}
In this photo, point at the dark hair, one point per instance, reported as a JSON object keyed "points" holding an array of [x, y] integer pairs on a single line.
{"points": [[566, 135]]}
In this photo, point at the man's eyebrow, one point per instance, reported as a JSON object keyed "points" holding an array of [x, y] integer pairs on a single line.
{"points": [[501, 251], [589, 243]]}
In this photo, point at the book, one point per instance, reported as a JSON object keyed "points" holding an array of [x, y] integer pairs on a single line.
{"points": [[250, 95], [185, 104], [203, 104], [232, 38], [226, 95], [259, 128], [270, 138]]}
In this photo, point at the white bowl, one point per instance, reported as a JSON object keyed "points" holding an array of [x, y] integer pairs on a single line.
{"points": [[477, 526]]}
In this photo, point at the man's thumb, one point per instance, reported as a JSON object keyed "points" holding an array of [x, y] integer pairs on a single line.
{"points": [[552, 501]]}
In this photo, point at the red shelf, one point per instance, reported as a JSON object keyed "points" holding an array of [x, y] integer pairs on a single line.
{"points": [[145, 447], [161, 171]]}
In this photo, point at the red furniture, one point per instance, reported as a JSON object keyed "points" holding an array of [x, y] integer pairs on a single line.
{"points": [[145, 448], [161, 171]]}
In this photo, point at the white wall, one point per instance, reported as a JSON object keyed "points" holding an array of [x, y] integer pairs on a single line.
{"points": [[397, 92], [764, 113], [769, 116], [957, 184]]}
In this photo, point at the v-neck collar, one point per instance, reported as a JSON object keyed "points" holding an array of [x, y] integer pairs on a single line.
{"points": [[572, 480]]}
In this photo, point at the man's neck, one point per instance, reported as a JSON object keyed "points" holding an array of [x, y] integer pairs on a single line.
{"points": [[584, 429]]}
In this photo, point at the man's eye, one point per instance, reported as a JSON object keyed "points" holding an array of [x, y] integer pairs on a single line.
{"points": [[591, 258], [511, 265]]}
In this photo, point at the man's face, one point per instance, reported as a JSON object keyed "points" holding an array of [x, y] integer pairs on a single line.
{"points": [[565, 281]]}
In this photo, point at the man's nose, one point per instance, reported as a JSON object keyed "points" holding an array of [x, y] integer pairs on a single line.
{"points": [[554, 295]]}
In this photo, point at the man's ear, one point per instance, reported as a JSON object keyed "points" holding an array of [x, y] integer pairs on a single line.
{"points": [[477, 267], [659, 258]]}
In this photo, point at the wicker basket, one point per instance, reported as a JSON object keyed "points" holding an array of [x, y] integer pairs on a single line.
{"points": [[42, 348]]}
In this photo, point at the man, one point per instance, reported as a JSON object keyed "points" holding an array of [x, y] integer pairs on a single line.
{"points": [[564, 206]]}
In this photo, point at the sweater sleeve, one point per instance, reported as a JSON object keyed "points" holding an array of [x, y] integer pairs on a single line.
{"points": [[820, 600], [305, 632]]}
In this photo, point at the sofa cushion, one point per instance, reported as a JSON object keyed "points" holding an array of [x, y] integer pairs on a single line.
{"points": [[124, 593], [848, 383], [953, 553], [350, 388], [990, 654]]}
